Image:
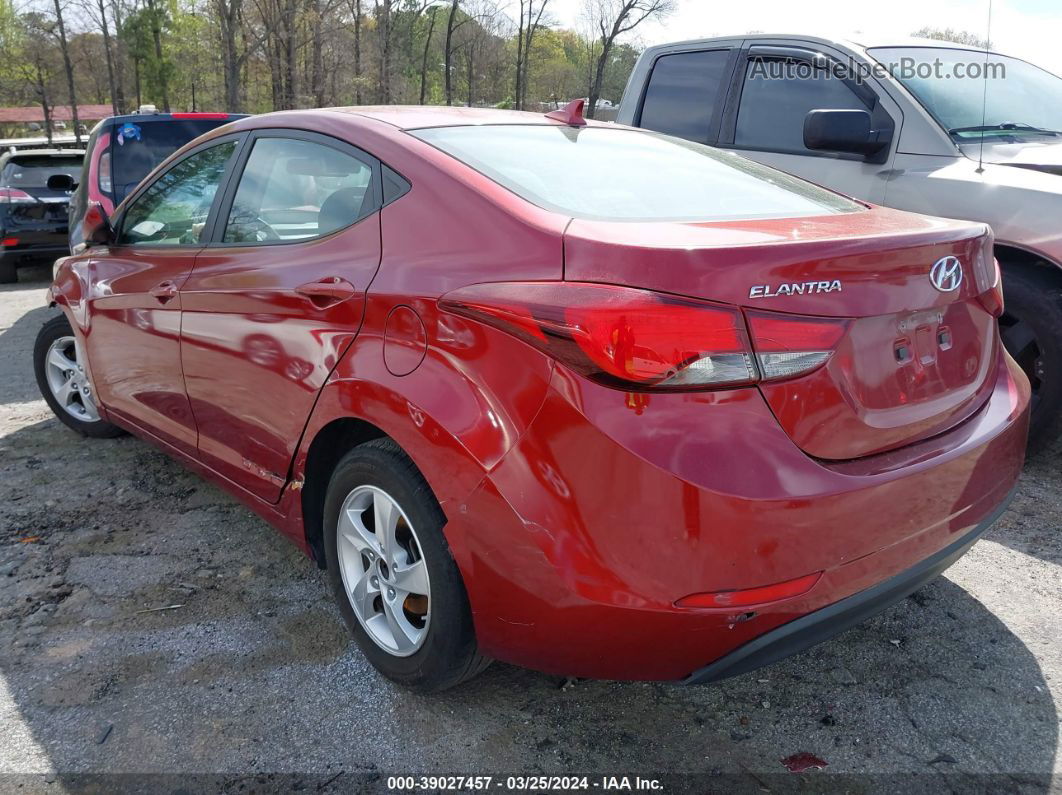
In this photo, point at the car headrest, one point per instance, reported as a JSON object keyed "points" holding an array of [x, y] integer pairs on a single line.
{"points": [[341, 209]]}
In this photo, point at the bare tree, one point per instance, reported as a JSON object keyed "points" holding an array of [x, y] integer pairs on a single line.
{"points": [[448, 56], [529, 22], [424, 59], [69, 67], [613, 18], [956, 36]]}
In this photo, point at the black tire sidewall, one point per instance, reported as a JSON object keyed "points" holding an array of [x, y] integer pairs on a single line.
{"points": [[449, 648], [8, 270]]}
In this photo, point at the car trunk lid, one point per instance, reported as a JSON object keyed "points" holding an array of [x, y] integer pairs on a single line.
{"points": [[913, 359]]}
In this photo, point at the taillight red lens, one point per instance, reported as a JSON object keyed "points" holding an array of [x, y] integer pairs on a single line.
{"points": [[987, 276], [9, 242], [619, 336], [15, 196], [788, 345], [104, 179], [749, 597]]}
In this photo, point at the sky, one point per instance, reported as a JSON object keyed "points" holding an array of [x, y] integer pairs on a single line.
{"points": [[1029, 29]]}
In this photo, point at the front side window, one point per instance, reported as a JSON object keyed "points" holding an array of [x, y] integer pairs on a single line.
{"points": [[296, 190], [612, 173], [175, 208], [776, 97], [683, 92]]}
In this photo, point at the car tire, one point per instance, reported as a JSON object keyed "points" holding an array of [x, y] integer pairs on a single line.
{"points": [[57, 335], [443, 652], [8, 270], [1031, 329]]}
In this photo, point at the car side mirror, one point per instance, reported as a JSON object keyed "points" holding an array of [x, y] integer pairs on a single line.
{"points": [[96, 227], [848, 131], [61, 182]]}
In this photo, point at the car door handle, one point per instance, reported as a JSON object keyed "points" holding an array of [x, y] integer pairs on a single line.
{"points": [[327, 291], [164, 291]]}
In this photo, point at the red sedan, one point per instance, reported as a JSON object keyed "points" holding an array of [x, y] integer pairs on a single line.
{"points": [[575, 396]]}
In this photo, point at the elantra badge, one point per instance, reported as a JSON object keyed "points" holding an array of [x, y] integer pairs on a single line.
{"points": [[796, 288], [946, 274]]}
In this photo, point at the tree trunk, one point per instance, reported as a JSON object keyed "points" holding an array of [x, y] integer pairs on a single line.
{"points": [[317, 79], [357, 51], [519, 59], [69, 67], [471, 72], [119, 58], [43, 92], [156, 35], [449, 58], [599, 76], [424, 60], [107, 52], [228, 24]]}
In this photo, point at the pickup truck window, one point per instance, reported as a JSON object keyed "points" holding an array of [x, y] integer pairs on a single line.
{"points": [[1009, 99], [776, 97], [682, 93], [617, 174]]}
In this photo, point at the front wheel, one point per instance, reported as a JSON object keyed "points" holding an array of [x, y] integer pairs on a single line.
{"points": [[392, 573], [1031, 328], [59, 367]]}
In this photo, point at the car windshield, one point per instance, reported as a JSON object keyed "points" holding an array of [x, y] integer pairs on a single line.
{"points": [[630, 175], [33, 171], [138, 146], [1005, 98]]}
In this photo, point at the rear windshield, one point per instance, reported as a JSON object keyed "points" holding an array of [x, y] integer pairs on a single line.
{"points": [[32, 171], [137, 147], [630, 175]]}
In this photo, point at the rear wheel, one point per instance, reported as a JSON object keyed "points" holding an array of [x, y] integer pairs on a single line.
{"points": [[1031, 328], [61, 377], [397, 585]]}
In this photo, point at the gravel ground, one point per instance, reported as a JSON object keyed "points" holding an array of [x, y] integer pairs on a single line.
{"points": [[252, 683]]}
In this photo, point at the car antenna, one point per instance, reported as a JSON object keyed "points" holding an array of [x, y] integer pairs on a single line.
{"points": [[571, 114], [984, 95]]}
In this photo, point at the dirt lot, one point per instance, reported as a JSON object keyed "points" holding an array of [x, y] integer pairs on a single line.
{"points": [[251, 679]]}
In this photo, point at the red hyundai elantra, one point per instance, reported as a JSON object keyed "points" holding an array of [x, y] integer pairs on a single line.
{"points": [[574, 396]]}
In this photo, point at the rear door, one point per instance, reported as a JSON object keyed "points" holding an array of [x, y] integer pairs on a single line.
{"points": [[133, 337], [276, 298], [775, 87]]}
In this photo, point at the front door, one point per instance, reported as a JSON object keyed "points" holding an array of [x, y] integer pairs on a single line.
{"points": [[276, 298], [133, 338]]}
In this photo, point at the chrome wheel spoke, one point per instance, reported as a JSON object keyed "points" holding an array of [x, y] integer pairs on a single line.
{"points": [[352, 528], [412, 578], [385, 516], [59, 360], [65, 393], [362, 596], [405, 635]]}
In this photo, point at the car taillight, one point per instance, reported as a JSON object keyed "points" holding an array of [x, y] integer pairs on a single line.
{"points": [[9, 242], [15, 196], [104, 173], [788, 345], [198, 115], [988, 278], [618, 336]]}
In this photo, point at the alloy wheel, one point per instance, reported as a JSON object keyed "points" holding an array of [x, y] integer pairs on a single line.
{"points": [[384, 573], [68, 382]]}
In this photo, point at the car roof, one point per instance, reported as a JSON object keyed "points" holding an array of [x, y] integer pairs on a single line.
{"points": [[853, 40], [413, 117]]}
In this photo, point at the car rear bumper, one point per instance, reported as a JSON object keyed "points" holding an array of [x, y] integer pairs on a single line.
{"points": [[610, 508], [825, 623]]}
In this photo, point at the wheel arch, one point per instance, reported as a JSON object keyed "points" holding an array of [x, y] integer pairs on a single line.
{"points": [[1013, 255]]}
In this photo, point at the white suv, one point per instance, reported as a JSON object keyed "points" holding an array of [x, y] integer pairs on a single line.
{"points": [[903, 124]]}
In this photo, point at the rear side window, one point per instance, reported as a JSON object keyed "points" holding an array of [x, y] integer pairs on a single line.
{"points": [[612, 173], [296, 190], [33, 171], [683, 92], [138, 146], [776, 97]]}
